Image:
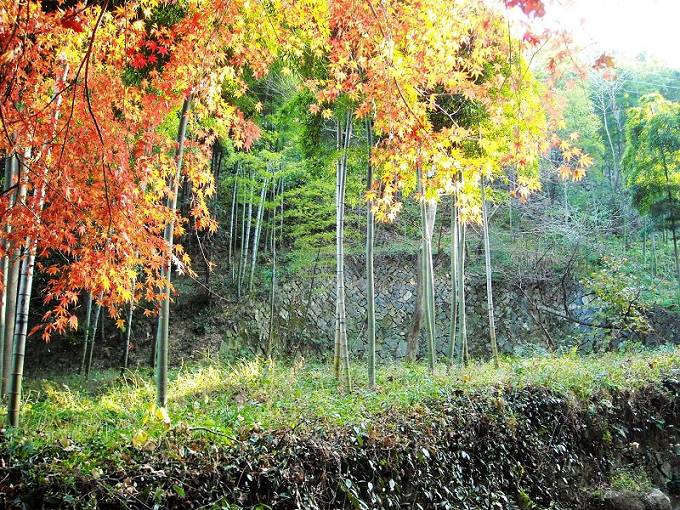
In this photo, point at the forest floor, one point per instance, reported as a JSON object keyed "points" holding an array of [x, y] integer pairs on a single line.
{"points": [[223, 398], [227, 423]]}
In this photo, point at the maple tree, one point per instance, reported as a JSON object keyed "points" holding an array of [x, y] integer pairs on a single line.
{"points": [[93, 97]]}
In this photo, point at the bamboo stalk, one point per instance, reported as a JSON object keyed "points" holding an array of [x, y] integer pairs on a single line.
{"points": [[168, 236], [86, 339], [489, 287], [370, 277]]}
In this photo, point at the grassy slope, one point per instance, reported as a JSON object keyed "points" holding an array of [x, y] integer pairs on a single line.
{"points": [[104, 416]]}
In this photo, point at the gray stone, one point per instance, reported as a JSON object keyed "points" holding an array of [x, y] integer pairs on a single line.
{"points": [[657, 500], [625, 500]]}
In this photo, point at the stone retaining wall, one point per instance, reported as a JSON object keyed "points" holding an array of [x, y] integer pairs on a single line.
{"points": [[305, 316]]}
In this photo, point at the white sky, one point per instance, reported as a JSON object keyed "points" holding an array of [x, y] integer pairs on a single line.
{"points": [[621, 28]]}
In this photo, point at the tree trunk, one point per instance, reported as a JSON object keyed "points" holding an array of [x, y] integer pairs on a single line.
{"points": [[128, 329], [246, 248], [272, 294], [342, 348], [427, 212], [26, 287], [234, 210], [88, 317], [164, 318], [413, 336], [673, 229], [489, 287], [454, 281], [256, 235], [6, 341], [370, 277], [6, 165], [243, 246], [654, 254], [93, 336], [16, 198], [644, 242], [462, 324]]}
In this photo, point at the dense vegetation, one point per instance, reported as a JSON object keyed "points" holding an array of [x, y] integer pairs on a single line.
{"points": [[169, 167]]}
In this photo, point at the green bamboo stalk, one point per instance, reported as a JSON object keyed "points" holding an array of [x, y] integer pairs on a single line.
{"points": [[462, 323], [370, 277], [13, 272], [272, 295], [86, 339], [428, 272], [231, 222], [164, 318], [256, 235], [454, 281], [128, 328], [93, 336], [489, 288]]}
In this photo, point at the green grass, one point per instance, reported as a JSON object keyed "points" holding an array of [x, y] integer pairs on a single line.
{"points": [[107, 413]]}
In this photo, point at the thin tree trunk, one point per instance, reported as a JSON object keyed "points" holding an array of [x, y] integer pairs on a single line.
{"points": [[644, 242], [256, 235], [128, 329], [244, 268], [243, 245], [6, 165], [342, 348], [654, 254], [8, 182], [338, 184], [16, 198], [164, 318], [454, 281], [614, 178], [272, 295], [281, 190], [26, 281], [93, 336], [370, 283], [462, 323], [673, 229], [427, 212], [231, 223], [88, 322], [413, 335], [489, 287]]}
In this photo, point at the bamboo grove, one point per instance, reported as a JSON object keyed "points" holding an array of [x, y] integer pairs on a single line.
{"points": [[111, 113]]}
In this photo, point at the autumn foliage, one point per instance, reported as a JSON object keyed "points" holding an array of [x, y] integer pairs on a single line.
{"points": [[90, 96]]}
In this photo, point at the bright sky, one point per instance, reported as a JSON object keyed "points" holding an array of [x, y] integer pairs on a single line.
{"points": [[621, 28]]}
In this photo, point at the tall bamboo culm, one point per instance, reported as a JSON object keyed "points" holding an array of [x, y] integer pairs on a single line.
{"points": [[258, 230], [427, 215], [489, 284], [454, 282], [27, 270], [341, 346], [86, 338], [168, 236], [370, 283], [18, 196]]}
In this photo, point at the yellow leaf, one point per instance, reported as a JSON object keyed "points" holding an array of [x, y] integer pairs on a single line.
{"points": [[162, 414], [140, 438]]}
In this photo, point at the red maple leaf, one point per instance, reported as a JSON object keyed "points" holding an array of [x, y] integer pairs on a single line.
{"points": [[531, 39], [138, 61], [72, 22], [604, 61], [529, 7]]}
